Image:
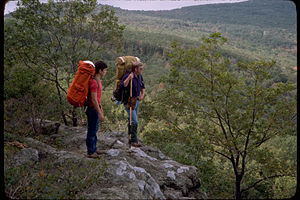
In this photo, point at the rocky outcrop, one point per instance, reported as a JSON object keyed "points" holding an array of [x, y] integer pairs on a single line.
{"points": [[26, 155], [130, 173]]}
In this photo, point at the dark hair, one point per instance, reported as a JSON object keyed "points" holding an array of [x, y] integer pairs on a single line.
{"points": [[100, 65]]}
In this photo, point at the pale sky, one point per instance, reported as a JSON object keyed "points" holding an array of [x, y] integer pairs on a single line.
{"points": [[160, 4], [142, 4]]}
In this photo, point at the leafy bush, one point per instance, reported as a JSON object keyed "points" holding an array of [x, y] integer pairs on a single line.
{"points": [[27, 100]]}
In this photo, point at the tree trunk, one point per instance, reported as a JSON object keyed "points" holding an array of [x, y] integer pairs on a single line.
{"points": [[63, 115], [74, 117], [238, 194]]}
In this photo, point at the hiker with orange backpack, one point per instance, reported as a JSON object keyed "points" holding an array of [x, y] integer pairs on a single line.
{"points": [[86, 90], [135, 81], [94, 109]]}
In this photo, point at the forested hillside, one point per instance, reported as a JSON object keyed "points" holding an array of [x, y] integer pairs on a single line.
{"points": [[220, 86], [255, 29], [262, 13]]}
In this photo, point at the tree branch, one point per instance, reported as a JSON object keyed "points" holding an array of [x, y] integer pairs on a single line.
{"points": [[223, 155], [265, 178], [38, 73]]}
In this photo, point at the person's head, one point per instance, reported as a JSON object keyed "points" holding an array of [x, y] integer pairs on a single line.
{"points": [[101, 68], [137, 67]]}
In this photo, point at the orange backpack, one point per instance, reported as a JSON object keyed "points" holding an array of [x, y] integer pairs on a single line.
{"points": [[77, 92]]}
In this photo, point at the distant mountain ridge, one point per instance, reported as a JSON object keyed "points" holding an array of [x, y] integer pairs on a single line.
{"points": [[255, 29], [263, 13]]}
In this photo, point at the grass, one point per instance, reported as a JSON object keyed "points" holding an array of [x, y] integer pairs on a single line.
{"points": [[49, 178]]}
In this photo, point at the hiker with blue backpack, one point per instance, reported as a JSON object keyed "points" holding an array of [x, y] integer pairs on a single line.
{"points": [[134, 82]]}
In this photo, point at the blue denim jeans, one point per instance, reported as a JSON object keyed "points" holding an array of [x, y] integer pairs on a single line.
{"points": [[134, 113], [93, 125]]}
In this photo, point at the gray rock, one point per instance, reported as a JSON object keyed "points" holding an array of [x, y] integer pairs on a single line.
{"points": [[40, 145], [113, 152], [109, 193], [143, 185], [135, 173], [48, 128], [27, 155]]}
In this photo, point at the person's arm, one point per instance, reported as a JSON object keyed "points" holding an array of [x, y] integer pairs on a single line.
{"points": [[142, 94], [141, 97], [97, 106], [127, 80]]}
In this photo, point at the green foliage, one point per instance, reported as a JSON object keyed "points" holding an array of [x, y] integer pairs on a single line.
{"points": [[26, 97], [264, 13], [52, 37], [18, 82], [212, 105], [228, 82], [255, 39]]}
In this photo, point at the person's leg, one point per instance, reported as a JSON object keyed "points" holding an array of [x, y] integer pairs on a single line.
{"points": [[93, 125], [129, 128], [135, 113], [132, 130], [135, 123]]}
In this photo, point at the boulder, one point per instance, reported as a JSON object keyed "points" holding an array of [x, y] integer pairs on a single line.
{"points": [[49, 127], [130, 173], [26, 155]]}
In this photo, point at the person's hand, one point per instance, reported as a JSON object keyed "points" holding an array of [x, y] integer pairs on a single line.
{"points": [[141, 97], [101, 116], [131, 76]]}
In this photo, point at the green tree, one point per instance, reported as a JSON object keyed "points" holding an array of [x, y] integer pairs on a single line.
{"points": [[54, 36], [25, 98], [227, 109]]}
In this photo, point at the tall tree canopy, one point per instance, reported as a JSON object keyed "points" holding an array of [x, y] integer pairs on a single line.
{"points": [[214, 105], [50, 38]]}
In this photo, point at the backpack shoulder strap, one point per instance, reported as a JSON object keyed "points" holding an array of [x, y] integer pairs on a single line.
{"points": [[97, 82]]}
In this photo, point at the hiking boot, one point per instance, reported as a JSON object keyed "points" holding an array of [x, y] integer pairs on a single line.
{"points": [[94, 155], [133, 133], [101, 152], [132, 136], [136, 144]]}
